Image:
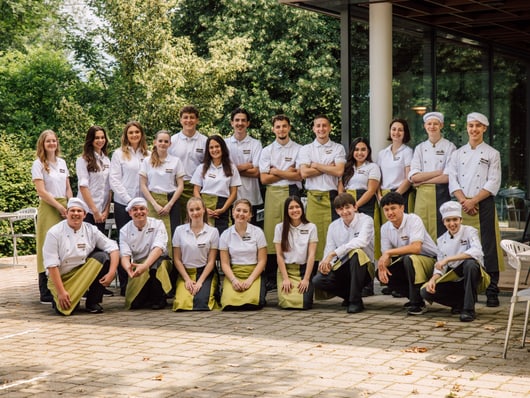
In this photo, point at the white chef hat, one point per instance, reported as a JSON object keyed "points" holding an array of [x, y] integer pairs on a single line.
{"points": [[451, 209], [136, 202], [433, 115], [479, 117], [76, 202]]}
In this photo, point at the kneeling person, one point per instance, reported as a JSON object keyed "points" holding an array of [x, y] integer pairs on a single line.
{"points": [[143, 247], [348, 255], [408, 252], [460, 265], [78, 259]]}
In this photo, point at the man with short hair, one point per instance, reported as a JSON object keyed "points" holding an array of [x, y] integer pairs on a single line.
{"points": [[347, 265], [188, 145], [408, 252], [321, 164], [245, 152], [78, 259]]}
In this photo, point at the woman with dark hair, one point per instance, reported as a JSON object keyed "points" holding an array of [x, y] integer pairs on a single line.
{"points": [[51, 178], [243, 251], [394, 161], [361, 176], [162, 183], [216, 182], [195, 247], [93, 169], [123, 177], [295, 240]]}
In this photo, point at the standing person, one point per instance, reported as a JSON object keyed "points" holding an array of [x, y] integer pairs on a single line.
{"points": [[279, 173], [79, 259], [459, 271], [428, 175], [394, 162], [321, 165], [347, 266], [189, 146], [51, 178], [217, 182], [474, 180], [296, 243], [124, 178], [195, 247], [143, 251], [243, 257], [408, 254], [245, 152], [93, 168], [162, 183]]}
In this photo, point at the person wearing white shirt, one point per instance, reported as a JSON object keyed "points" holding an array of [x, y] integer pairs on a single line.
{"points": [[93, 169], [296, 244], [189, 146], [217, 182], [124, 178], [408, 252], [321, 164], [78, 259], [243, 250], [394, 162], [458, 271], [347, 265], [51, 178], [245, 152], [162, 183], [474, 179], [428, 174], [195, 247], [281, 177]]}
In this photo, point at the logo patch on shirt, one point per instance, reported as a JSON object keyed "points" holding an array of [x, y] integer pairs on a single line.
{"points": [[484, 161], [304, 231], [62, 171], [288, 159], [201, 245], [404, 238], [328, 151], [246, 151], [440, 152], [199, 150], [246, 237], [210, 175], [150, 230], [169, 171], [81, 246], [464, 242]]}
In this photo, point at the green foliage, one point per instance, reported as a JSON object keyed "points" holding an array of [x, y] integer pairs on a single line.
{"points": [[16, 191]]}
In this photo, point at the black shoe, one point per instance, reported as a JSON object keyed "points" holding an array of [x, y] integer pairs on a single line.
{"points": [[344, 303], [108, 293], [467, 316], [355, 308], [159, 305], [94, 308], [416, 310], [492, 301], [408, 304], [386, 291], [396, 294], [47, 299], [367, 291], [456, 310]]}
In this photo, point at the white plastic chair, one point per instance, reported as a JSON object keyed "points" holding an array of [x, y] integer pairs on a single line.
{"points": [[513, 250], [23, 214]]}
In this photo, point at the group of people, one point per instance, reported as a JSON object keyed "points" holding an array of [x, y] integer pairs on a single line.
{"points": [[186, 212]]}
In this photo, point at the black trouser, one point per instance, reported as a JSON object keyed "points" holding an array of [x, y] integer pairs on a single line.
{"points": [[121, 217], [460, 294], [346, 282], [152, 292], [89, 218], [95, 291], [402, 280]]}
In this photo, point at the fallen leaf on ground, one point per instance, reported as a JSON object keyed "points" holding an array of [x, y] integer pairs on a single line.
{"points": [[440, 324], [158, 377], [416, 349]]}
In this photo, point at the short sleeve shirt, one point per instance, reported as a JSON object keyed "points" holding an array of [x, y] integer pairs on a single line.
{"points": [[195, 250], [190, 151], [431, 157], [327, 153], [243, 250], [281, 157], [138, 244], [299, 239], [215, 181], [163, 178], [361, 175], [55, 179], [393, 166], [411, 230], [97, 182]]}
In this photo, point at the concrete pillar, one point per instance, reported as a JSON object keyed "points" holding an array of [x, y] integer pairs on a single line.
{"points": [[380, 29]]}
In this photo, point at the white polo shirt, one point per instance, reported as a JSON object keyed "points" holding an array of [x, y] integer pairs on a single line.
{"points": [[163, 178], [123, 177], [327, 153], [96, 182], [190, 151], [361, 175], [195, 250], [66, 248], [393, 166], [299, 239], [55, 180], [411, 230], [243, 250], [281, 157], [248, 150], [344, 238], [466, 240], [139, 244], [215, 182]]}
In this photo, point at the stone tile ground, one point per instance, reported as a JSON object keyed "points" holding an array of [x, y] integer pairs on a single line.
{"points": [[324, 352]]}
